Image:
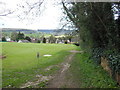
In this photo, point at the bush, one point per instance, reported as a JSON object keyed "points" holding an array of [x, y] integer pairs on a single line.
{"points": [[65, 42], [44, 40], [3, 39], [38, 41], [77, 44], [28, 38]]}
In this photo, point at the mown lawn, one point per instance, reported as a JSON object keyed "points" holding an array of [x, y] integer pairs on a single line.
{"points": [[21, 64]]}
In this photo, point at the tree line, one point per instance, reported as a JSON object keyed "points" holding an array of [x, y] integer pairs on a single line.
{"points": [[98, 24], [17, 36], [14, 36]]}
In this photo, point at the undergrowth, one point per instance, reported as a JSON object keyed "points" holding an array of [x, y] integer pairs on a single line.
{"points": [[90, 75]]}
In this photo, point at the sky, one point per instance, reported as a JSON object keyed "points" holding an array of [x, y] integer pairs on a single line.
{"points": [[48, 17]]}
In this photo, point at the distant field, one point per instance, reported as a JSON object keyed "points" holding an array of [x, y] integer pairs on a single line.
{"points": [[21, 64]]}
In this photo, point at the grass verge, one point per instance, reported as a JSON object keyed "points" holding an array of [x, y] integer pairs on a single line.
{"points": [[88, 74]]}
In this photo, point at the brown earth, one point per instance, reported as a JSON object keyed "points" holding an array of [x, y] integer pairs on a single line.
{"points": [[62, 79], [2, 56], [34, 84]]}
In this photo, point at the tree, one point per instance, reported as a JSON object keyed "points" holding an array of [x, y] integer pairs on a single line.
{"points": [[3, 10], [20, 36], [14, 36], [28, 38], [52, 39], [41, 38], [69, 36], [90, 19], [38, 41], [116, 9], [44, 40], [98, 30], [23, 11], [3, 39]]}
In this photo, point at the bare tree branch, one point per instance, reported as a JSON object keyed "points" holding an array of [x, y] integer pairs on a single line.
{"points": [[8, 13], [22, 9], [4, 11], [30, 10]]}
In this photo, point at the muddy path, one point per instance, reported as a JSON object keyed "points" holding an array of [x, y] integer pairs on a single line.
{"points": [[62, 78]]}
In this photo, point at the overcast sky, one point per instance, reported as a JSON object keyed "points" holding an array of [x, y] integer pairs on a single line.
{"points": [[48, 18]]}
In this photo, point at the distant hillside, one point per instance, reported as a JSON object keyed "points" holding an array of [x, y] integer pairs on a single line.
{"points": [[48, 31], [54, 31], [16, 29]]}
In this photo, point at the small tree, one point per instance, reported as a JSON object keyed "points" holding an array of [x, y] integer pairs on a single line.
{"points": [[3, 39], [38, 41], [65, 42], [44, 40], [41, 38], [52, 39], [20, 35], [14, 36], [28, 38]]}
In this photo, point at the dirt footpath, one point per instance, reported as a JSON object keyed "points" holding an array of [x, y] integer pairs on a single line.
{"points": [[62, 78]]}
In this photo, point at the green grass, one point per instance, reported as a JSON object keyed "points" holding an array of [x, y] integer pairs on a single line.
{"points": [[21, 64], [0, 67], [88, 74]]}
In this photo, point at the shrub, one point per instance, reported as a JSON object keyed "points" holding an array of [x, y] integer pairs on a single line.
{"points": [[3, 39], [44, 40]]}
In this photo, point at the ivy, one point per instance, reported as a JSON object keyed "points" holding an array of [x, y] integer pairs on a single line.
{"points": [[96, 54], [112, 56], [114, 62]]}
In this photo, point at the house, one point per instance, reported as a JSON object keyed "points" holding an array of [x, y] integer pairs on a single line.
{"points": [[23, 41], [8, 39], [34, 40]]}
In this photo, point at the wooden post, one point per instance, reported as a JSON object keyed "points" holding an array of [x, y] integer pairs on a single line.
{"points": [[38, 55]]}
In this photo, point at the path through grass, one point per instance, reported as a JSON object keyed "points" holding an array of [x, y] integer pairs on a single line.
{"points": [[22, 69]]}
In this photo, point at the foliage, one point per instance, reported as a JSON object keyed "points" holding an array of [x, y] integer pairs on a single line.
{"points": [[14, 36], [28, 38], [44, 40], [20, 36], [3, 39], [111, 54], [17, 36], [38, 41], [114, 60], [97, 53], [65, 42], [69, 36], [90, 75], [99, 31], [52, 39]]}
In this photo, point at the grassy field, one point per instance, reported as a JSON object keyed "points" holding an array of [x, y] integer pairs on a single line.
{"points": [[21, 64]]}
